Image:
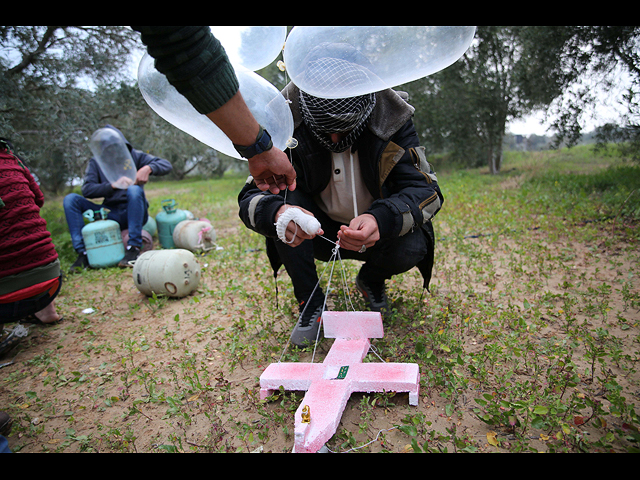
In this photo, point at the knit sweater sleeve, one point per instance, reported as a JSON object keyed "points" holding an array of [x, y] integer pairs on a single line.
{"points": [[194, 62], [35, 188]]}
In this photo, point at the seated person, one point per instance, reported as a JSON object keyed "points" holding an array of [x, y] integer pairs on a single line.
{"points": [[124, 198], [362, 174], [30, 277]]}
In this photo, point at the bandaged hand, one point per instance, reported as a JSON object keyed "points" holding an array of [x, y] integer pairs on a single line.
{"points": [[295, 225]]}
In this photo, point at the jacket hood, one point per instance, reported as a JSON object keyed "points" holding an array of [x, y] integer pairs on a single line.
{"points": [[129, 146], [389, 115]]}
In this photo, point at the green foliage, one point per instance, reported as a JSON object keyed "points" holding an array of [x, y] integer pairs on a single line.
{"points": [[512, 71], [71, 82], [60, 83]]}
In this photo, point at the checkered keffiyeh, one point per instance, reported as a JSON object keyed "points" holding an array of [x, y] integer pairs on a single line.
{"points": [[324, 116]]}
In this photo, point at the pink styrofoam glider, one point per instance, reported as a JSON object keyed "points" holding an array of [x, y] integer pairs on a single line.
{"points": [[329, 385]]}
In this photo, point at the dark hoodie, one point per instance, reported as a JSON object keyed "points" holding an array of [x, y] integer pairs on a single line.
{"points": [[96, 184]]}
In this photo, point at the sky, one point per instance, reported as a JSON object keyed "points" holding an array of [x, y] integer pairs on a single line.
{"points": [[532, 124]]}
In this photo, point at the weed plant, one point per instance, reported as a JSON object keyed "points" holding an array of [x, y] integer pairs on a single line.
{"points": [[527, 341]]}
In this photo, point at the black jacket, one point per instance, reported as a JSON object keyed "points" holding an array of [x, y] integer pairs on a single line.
{"points": [[394, 169]]}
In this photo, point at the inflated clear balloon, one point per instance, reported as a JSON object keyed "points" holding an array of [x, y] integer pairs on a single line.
{"points": [[265, 102], [341, 62], [113, 157], [252, 47]]}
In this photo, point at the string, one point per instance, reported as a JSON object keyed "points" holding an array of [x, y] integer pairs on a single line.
{"points": [[288, 100], [331, 263], [335, 255], [366, 444], [353, 186]]}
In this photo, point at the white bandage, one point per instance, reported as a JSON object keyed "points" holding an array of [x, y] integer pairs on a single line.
{"points": [[308, 223]]}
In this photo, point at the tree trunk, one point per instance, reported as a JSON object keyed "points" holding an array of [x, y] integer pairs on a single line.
{"points": [[495, 154], [495, 161]]}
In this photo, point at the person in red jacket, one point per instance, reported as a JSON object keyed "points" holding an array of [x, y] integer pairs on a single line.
{"points": [[30, 278]]}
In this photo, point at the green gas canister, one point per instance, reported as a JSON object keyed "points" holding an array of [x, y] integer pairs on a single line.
{"points": [[167, 221]]}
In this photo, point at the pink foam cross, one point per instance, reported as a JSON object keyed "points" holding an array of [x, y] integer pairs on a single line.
{"points": [[330, 384]]}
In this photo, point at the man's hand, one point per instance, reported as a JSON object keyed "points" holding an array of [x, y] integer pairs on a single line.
{"points": [[122, 183], [142, 176], [273, 171], [295, 232], [363, 230]]}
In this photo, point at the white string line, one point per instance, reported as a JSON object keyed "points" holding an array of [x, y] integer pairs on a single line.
{"points": [[366, 444], [335, 255], [353, 186], [331, 262]]}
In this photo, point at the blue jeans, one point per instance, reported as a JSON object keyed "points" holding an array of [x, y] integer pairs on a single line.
{"points": [[132, 215], [4, 445], [388, 257]]}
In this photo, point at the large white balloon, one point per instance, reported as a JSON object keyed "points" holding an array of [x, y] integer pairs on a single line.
{"points": [[252, 47], [341, 62], [265, 102]]}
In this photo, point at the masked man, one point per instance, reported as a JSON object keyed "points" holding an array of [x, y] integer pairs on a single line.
{"points": [[362, 174], [124, 198]]}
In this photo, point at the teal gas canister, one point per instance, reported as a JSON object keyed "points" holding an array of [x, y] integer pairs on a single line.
{"points": [[102, 239], [167, 221], [151, 226]]}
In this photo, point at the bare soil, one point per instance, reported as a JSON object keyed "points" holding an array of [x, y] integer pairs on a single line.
{"points": [[80, 385]]}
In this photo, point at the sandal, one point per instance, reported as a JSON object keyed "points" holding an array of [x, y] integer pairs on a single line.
{"points": [[32, 319]]}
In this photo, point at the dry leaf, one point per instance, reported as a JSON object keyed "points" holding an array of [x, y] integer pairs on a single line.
{"points": [[492, 438]]}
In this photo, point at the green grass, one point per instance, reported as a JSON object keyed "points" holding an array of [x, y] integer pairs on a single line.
{"points": [[528, 341]]}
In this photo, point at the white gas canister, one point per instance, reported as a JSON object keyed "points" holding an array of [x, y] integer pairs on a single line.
{"points": [[174, 273], [195, 235]]}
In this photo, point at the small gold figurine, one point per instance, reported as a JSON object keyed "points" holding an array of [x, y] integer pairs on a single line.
{"points": [[306, 414]]}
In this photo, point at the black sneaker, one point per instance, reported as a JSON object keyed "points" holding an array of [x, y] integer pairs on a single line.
{"points": [[306, 331], [81, 263], [375, 295], [130, 257]]}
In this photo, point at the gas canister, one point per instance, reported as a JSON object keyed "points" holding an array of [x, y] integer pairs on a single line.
{"points": [[174, 273], [102, 239], [195, 235], [167, 221]]}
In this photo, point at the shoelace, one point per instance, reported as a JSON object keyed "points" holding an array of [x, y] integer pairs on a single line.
{"points": [[308, 314]]}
